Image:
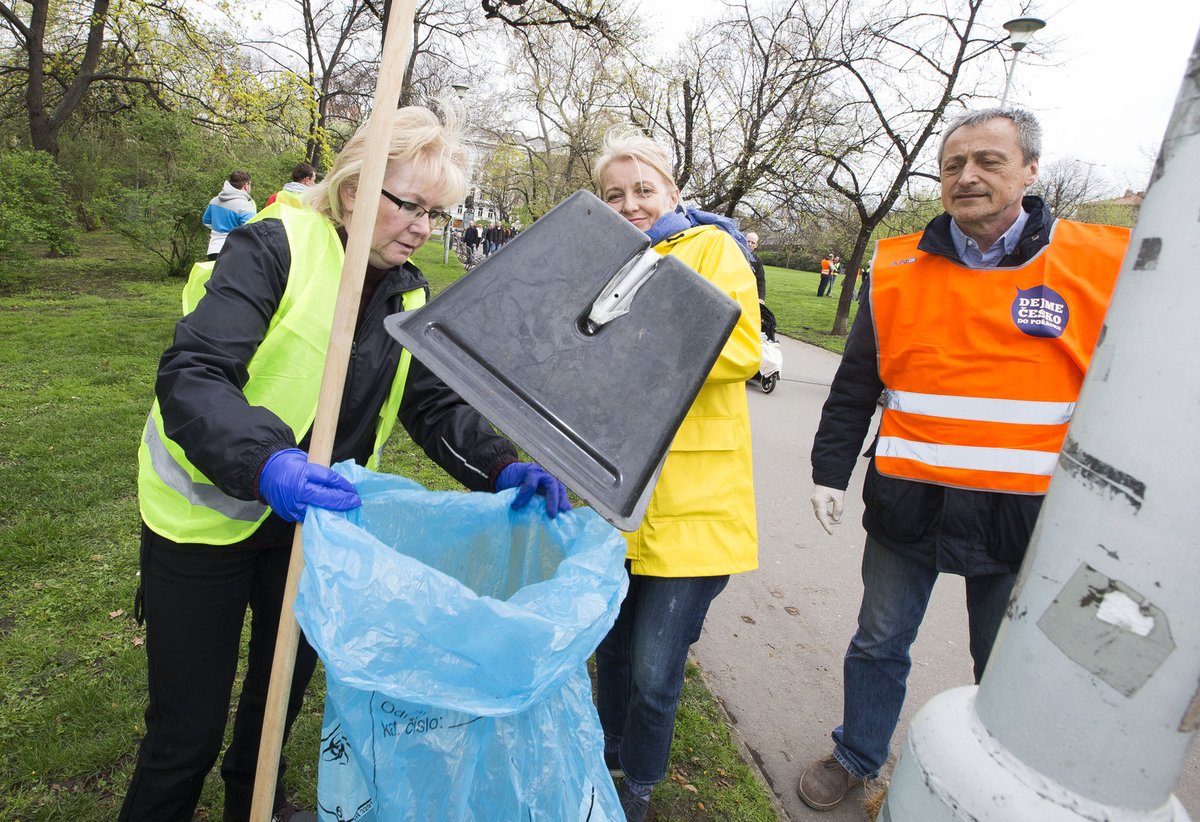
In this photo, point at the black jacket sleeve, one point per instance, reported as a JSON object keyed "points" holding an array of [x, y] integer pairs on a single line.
{"points": [[202, 373], [451, 432], [760, 277], [847, 413]]}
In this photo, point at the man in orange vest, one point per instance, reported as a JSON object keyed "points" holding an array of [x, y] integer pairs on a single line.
{"points": [[978, 333], [825, 286]]}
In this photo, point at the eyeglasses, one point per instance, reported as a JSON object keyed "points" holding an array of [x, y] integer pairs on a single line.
{"points": [[416, 211]]}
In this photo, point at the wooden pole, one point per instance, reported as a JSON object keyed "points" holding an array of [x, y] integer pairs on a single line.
{"points": [[396, 43]]}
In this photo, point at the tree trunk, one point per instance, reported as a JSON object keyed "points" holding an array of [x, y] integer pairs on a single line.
{"points": [[44, 125], [841, 322], [42, 133]]}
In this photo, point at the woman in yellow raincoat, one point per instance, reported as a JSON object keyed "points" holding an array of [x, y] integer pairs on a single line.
{"points": [[700, 525]]}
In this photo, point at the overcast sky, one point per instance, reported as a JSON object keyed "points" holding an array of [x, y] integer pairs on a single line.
{"points": [[1105, 91], [1119, 67]]}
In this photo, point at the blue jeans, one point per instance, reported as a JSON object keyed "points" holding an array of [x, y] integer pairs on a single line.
{"points": [[640, 667], [896, 592]]}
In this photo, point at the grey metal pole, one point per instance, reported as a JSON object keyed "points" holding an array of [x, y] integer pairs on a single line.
{"points": [[1090, 701], [1012, 69]]}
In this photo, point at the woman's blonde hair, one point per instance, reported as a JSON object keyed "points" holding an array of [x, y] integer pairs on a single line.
{"points": [[627, 143], [434, 146]]}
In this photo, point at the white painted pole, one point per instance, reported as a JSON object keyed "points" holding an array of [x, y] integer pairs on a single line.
{"points": [[1012, 69], [1090, 701]]}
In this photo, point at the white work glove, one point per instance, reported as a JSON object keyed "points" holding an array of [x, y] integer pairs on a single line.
{"points": [[827, 506]]}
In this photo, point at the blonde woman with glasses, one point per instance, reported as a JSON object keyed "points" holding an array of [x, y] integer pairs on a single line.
{"points": [[223, 468]]}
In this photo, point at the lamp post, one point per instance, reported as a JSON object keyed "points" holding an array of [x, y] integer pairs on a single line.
{"points": [[459, 89], [1020, 32]]}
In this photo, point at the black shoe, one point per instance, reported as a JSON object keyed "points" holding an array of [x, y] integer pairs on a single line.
{"points": [[635, 807]]}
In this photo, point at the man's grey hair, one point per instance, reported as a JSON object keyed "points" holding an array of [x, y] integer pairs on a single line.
{"points": [[1029, 131]]}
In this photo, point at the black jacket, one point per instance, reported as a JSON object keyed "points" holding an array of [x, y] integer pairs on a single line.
{"points": [[956, 530], [760, 276], [200, 377]]}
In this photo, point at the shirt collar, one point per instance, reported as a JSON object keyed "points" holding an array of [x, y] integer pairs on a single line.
{"points": [[968, 249]]}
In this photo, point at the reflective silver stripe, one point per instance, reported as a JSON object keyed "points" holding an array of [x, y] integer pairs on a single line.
{"points": [[463, 460], [176, 477], [981, 409], [969, 457]]}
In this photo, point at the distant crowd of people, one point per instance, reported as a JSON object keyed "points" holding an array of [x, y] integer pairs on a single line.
{"points": [[488, 239]]}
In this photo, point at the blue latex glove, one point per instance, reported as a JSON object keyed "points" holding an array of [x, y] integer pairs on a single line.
{"points": [[290, 483], [531, 478]]}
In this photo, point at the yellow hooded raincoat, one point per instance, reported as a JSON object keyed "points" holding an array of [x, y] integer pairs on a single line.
{"points": [[701, 519]]}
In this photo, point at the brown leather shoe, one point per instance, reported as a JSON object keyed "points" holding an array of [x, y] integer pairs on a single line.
{"points": [[825, 783]]}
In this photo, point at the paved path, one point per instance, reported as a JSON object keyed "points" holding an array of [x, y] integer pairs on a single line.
{"points": [[773, 642]]}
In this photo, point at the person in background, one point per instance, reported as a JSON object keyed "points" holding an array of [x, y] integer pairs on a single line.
{"points": [[756, 265], [864, 283], [472, 238], [231, 208], [491, 239], [223, 464], [700, 524], [827, 275], [979, 331], [304, 177]]}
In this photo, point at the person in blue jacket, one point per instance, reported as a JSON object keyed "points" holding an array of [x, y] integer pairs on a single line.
{"points": [[231, 208]]}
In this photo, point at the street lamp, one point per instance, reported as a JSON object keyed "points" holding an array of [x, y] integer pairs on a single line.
{"points": [[459, 89], [1020, 32]]}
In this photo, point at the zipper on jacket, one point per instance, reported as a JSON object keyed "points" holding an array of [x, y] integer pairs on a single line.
{"points": [[379, 304]]}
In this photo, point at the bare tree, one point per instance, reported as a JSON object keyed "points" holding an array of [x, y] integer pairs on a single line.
{"points": [[334, 45], [500, 178], [737, 105], [897, 74], [332, 48], [1066, 185], [573, 86], [603, 18], [55, 80]]}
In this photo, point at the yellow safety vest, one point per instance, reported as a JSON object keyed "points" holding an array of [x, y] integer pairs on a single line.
{"points": [[176, 500], [983, 366], [286, 197]]}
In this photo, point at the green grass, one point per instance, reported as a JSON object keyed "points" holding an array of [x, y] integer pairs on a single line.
{"points": [[802, 315], [82, 337], [707, 779]]}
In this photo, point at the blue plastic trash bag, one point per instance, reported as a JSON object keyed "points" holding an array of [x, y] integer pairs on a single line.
{"points": [[455, 634]]}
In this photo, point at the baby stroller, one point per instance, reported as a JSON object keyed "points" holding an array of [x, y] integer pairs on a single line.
{"points": [[772, 354]]}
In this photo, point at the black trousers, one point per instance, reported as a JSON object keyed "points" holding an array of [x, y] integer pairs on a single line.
{"points": [[194, 599]]}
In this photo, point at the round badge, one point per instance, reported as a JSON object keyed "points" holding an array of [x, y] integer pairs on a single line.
{"points": [[1040, 312]]}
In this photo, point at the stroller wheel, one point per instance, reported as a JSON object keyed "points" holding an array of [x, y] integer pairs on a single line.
{"points": [[769, 383]]}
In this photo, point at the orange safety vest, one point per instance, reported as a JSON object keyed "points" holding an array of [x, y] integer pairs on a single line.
{"points": [[983, 366], [826, 265]]}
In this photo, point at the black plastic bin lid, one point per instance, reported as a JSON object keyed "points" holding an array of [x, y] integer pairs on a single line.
{"points": [[595, 401]]}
